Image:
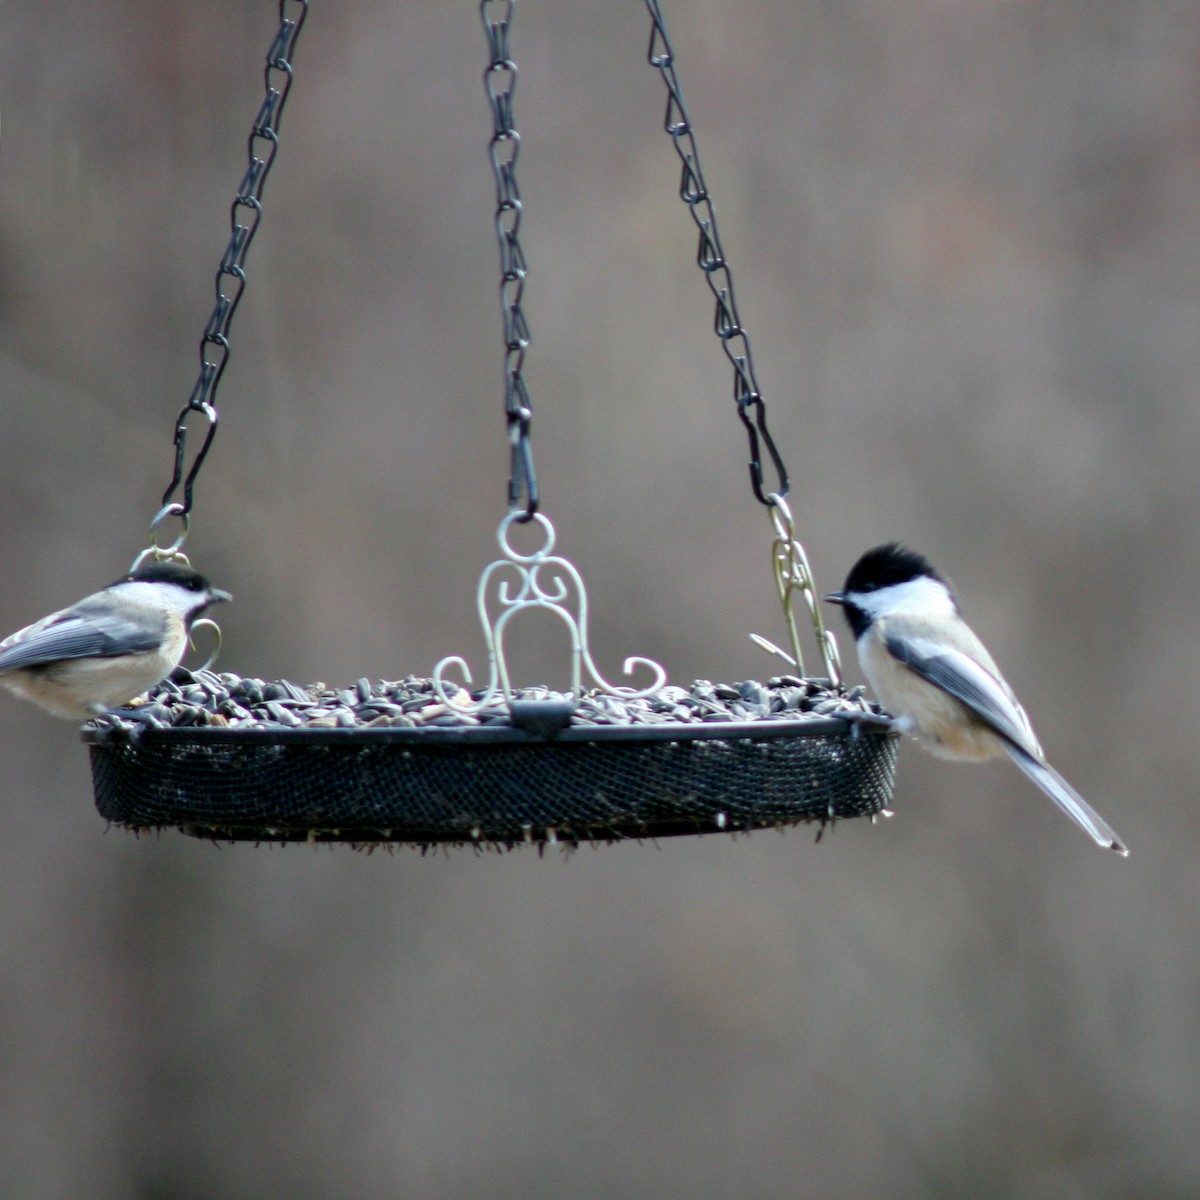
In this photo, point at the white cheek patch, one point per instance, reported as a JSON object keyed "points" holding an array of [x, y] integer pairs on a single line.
{"points": [[158, 597], [922, 597]]}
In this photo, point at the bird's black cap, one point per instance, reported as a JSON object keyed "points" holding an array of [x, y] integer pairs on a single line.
{"points": [[168, 571], [888, 565], [882, 567]]}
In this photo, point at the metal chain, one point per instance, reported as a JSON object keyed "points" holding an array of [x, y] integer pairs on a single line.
{"points": [[735, 341], [793, 576], [500, 81], [245, 215]]}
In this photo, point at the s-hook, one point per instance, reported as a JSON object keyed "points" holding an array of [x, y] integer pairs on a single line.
{"points": [[793, 577]]}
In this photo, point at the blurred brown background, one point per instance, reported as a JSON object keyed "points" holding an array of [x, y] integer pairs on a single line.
{"points": [[966, 242]]}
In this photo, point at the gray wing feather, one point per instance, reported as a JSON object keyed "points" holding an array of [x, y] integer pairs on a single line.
{"points": [[985, 694], [992, 701], [1068, 799], [77, 636]]}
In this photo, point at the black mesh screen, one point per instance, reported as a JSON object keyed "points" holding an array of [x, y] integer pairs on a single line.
{"points": [[362, 786]]}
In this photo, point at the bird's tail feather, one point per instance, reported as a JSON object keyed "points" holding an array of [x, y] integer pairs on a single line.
{"points": [[1068, 799]]}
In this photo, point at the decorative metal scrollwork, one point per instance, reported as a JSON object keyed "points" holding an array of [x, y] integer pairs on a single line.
{"points": [[540, 580]]}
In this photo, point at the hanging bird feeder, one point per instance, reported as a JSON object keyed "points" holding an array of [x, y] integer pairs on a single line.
{"points": [[429, 760]]}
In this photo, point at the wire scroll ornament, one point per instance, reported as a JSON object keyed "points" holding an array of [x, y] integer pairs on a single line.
{"points": [[519, 582]]}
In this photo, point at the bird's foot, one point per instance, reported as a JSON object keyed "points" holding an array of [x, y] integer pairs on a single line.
{"points": [[859, 719], [124, 726]]}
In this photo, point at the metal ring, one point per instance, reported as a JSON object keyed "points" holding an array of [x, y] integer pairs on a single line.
{"points": [[157, 552], [522, 517], [170, 510]]}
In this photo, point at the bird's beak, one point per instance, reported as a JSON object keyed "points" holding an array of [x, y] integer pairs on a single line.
{"points": [[834, 597], [217, 595]]}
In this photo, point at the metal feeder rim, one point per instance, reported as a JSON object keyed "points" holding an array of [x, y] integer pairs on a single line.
{"points": [[490, 735]]}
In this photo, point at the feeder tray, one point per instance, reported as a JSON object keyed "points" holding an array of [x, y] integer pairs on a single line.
{"points": [[524, 777], [428, 762]]}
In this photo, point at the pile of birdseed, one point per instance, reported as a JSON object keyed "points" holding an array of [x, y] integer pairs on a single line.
{"points": [[225, 700]]}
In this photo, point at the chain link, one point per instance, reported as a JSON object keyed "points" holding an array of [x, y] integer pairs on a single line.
{"points": [[735, 340], [500, 81], [245, 216]]}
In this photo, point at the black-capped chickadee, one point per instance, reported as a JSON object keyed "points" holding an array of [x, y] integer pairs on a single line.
{"points": [[110, 647], [935, 676]]}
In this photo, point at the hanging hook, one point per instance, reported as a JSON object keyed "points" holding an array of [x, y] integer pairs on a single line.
{"points": [[205, 623], [793, 576], [210, 375]]}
